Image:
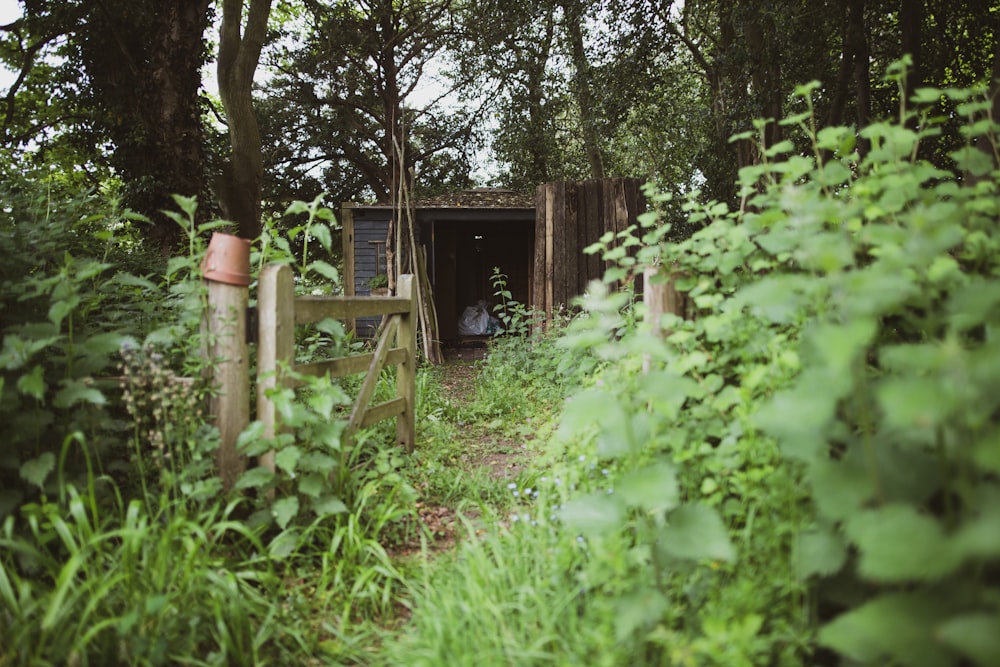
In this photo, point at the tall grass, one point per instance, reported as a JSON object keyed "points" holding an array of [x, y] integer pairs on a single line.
{"points": [[89, 584]]}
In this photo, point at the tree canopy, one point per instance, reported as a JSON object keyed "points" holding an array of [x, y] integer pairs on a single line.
{"points": [[352, 97]]}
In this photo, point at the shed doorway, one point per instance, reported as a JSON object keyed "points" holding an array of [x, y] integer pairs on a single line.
{"points": [[463, 255]]}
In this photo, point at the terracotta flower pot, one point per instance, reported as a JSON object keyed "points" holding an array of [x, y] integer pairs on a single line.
{"points": [[227, 260]]}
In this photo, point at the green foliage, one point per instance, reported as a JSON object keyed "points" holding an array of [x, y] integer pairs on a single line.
{"points": [[829, 413], [806, 465]]}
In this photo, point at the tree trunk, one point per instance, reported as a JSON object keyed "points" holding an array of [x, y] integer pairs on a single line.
{"points": [[572, 17], [911, 19], [148, 82], [857, 35], [536, 61], [239, 186]]}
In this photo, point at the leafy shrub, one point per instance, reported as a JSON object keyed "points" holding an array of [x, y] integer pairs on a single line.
{"points": [[817, 447]]}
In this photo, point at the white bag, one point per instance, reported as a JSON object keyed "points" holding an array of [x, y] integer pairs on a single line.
{"points": [[475, 321]]}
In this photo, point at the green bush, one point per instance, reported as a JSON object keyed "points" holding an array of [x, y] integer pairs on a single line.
{"points": [[816, 449]]}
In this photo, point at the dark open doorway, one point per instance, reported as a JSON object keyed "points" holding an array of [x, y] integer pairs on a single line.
{"points": [[463, 256]]}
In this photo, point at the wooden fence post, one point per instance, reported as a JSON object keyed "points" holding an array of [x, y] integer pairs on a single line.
{"points": [[275, 342], [226, 269], [406, 373]]}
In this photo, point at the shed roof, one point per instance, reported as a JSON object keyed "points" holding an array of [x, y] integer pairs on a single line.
{"points": [[481, 198]]}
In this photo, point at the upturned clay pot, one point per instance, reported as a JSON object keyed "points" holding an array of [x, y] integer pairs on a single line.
{"points": [[227, 260]]}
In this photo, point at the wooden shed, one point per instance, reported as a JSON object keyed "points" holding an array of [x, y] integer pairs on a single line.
{"points": [[536, 239]]}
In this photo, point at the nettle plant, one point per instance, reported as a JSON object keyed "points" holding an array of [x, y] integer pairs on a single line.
{"points": [[822, 436]]}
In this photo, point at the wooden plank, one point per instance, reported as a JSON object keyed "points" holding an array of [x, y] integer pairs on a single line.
{"points": [[344, 366], [275, 342], [608, 214], [229, 406], [310, 309], [559, 245], [375, 366], [550, 195], [395, 407], [594, 204], [571, 240], [406, 374], [538, 271], [347, 245]]}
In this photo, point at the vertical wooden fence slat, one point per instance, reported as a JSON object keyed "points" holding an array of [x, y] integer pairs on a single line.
{"points": [[406, 373], [573, 252], [275, 342], [538, 287], [227, 349], [347, 244], [550, 194]]}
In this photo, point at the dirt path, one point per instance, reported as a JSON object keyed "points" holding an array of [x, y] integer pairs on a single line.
{"points": [[482, 449]]}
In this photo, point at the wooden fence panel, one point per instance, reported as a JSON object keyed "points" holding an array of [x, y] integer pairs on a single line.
{"points": [[275, 343], [279, 311], [538, 289]]}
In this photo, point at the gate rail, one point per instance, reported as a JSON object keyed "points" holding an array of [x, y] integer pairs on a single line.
{"points": [[279, 311]]}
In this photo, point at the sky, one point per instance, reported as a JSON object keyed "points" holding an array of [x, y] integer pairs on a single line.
{"points": [[10, 10]]}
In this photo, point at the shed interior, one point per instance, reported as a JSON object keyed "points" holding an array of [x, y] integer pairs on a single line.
{"points": [[462, 256]]}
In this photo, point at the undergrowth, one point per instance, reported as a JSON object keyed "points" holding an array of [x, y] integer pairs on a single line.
{"points": [[803, 470]]}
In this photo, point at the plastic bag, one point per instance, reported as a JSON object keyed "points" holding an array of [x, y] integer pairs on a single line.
{"points": [[475, 321]]}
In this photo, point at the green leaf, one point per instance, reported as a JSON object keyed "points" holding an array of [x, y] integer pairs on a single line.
{"points": [[695, 532], [175, 264], [914, 402], [798, 417], [312, 485], [317, 462], [666, 392], [251, 441], [331, 327], [593, 514], [321, 233], [975, 636], [284, 510], [328, 505], [839, 487], [255, 478], [638, 610], [652, 488], [287, 458], [59, 310], [899, 544], [600, 410], [284, 544], [776, 298], [33, 383], [37, 470], [979, 537], [325, 269], [973, 160], [130, 280], [900, 626], [840, 345], [17, 351], [821, 552], [76, 391]]}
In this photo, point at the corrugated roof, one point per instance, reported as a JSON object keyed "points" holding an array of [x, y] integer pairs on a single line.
{"points": [[475, 198]]}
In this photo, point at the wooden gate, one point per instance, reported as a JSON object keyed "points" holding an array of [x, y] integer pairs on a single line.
{"points": [[279, 311]]}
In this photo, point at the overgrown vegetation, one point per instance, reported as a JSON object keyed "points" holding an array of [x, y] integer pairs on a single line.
{"points": [[803, 470], [802, 473]]}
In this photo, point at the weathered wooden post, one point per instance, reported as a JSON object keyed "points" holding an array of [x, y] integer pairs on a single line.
{"points": [[406, 374], [660, 297], [275, 342], [226, 269]]}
